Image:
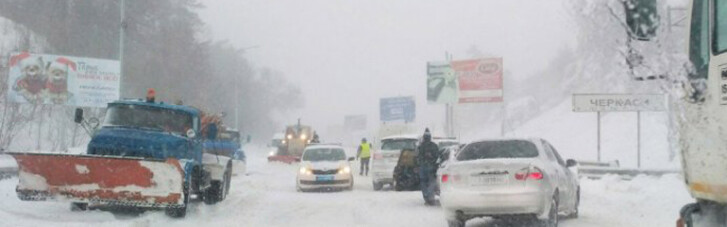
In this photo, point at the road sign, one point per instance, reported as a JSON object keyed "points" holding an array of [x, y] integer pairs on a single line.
{"points": [[397, 108], [618, 102]]}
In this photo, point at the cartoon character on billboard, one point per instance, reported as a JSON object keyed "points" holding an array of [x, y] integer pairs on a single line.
{"points": [[56, 87], [31, 82]]}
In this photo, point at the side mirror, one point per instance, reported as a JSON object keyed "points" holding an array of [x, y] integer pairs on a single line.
{"points": [[191, 133], [79, 116], [93, 122], [570, 163], [350, 159]]}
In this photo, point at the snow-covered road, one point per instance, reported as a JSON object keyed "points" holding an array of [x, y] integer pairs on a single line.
{"points": [[267, 197]]}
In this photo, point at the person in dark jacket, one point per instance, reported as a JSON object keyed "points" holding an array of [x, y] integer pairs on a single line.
{"points": [[427, 160]]}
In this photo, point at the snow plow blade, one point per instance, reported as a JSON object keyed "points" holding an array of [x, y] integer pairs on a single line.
{"points": [[105, 180]]}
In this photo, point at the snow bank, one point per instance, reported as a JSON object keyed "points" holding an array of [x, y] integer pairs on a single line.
{"points": [[574, 136]]}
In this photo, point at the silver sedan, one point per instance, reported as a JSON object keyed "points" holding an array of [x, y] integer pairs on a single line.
{"points": [[514, 179]]}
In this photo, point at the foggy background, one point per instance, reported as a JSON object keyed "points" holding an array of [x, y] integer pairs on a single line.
{"points": [[345, 55]]}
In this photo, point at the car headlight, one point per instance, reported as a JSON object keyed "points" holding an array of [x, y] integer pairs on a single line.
{"points": [[272, 153], [290, 136], [303, 136], [305, 171], [344, 170]]}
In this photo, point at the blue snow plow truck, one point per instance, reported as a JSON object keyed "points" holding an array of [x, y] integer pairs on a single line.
{"points": [[145, 154]]}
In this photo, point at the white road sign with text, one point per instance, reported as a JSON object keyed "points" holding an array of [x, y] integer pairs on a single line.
{"points": [[618, 102]]}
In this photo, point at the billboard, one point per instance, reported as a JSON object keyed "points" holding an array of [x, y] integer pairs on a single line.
{"points": [[353, 123], [441, 83], [397, 108], [466, 81], [618, 102], [62, 80]]}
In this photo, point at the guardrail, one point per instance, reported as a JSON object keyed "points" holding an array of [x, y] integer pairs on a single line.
{"points": [[596, 170]]}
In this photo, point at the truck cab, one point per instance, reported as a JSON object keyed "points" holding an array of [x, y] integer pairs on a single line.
{"points": [[149, 130], [162, 132]]}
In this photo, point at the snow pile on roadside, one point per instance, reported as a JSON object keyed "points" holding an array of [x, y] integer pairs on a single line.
{"points": [[574, 135], [642, 201], [7, 161]]}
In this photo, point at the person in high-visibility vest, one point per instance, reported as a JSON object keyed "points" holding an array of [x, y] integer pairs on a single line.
{"points": [[364, 153]]}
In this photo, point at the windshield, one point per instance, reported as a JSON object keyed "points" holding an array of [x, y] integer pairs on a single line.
{"points": [[150, 118], [498, 149], [398, 144], [229, 136], [324, 154]]}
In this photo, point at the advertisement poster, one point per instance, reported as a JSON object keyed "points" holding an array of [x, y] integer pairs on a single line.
{"points": [[441, 83], [62, 80], [480, 80], [397, 108]]}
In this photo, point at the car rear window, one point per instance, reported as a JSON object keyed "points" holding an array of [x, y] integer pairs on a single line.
{"points": [[498, 149], [399, 144]]}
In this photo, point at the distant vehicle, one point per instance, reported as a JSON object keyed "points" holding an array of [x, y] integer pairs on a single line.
{"points": [[297, 137], [519, 179], [229, 144], [445, 142], [385, 159], [324, 166]]}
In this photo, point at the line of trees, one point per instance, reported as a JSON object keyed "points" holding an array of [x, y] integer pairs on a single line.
{"points": [[164, 49]]}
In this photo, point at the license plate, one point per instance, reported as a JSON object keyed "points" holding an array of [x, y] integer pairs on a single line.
{"points": [[324, 178], [488, 180]]}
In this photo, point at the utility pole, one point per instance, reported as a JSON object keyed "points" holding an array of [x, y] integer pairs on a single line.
{"points": [[122, 19], [449, 108]]}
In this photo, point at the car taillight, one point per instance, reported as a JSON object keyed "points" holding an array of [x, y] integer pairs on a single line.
{"points": [[445, 178], [529, 173]]}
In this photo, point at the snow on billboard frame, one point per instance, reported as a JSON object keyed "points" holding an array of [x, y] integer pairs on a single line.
{"points": [[62, 80], [465, 81], [397, 108]]}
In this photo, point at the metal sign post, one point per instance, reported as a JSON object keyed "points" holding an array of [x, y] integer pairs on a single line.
{"points": [[619, 103]]}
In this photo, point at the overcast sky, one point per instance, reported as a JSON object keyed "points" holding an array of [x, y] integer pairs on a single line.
{"points": [[345, 55]]}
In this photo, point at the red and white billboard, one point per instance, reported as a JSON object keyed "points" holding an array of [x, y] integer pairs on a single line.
{"points": [[480, 80]]}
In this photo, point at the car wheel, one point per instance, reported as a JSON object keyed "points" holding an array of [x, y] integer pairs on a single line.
{"points": [[574, 213], [552, 220], [455, 223], [350, 187], [378, 186]]}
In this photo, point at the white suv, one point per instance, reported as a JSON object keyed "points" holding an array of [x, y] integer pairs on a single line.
{"points": [[324, 167]]}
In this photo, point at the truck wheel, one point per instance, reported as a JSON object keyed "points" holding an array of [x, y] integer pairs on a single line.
{"points": [[378, 186], [214, 193], [79, 206], [179, 212]]}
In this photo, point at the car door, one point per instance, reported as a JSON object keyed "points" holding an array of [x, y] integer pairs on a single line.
{"points": [[570, 183], [559, 170]]}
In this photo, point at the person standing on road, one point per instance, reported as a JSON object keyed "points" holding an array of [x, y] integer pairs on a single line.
{"points": [[427, 160], [364, 153]]}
